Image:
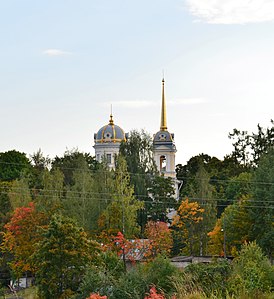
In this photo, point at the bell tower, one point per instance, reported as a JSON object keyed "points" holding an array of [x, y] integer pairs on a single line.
{"points": [[164, 146]]}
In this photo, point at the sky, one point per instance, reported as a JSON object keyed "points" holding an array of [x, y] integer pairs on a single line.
{"points": [[63, 63]]}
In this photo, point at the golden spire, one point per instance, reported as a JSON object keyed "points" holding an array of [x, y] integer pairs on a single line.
{"points": [[111, 122], [163, 126]]}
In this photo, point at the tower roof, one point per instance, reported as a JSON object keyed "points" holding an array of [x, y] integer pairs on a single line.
{"points": [[163, 126], [163, 137], [110, 133]]}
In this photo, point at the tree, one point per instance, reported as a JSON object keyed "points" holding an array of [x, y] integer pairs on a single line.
{"points": [[13, 165], [261, 204], [62, 258], [159, 237], [121, 211], [231, 231], [81, 202], [19, 193], [4, 202], [40, 164], [137, 282], [100, 278], [71, 161], [161, 199], [211, 278], [248, 148], [21, 234], [49, 197], [189, 214], [138, 152], [251, 272]]}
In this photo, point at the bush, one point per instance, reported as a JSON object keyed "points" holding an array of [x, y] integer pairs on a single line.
{"points": [[101, 279], [252, 272], [136, 283], [205, 279]]}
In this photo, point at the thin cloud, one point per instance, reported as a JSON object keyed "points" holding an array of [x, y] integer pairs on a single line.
{"points": [[144, 104], [55, 52], [132, 104], [189, 101], [232, 11]]}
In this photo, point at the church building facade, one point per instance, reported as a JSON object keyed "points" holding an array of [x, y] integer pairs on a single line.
{"points": [[108, 139]]}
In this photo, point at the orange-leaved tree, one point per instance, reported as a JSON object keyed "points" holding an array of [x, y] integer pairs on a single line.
{"points": [[188, 215], [153, 294], [216, 244], [159, 238], [96, 296], [21, 234]]}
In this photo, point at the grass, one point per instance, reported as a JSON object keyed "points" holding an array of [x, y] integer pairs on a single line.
{"points": [[29, 293]]}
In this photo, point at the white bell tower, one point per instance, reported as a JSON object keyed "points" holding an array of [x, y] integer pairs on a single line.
{"points": [[164, 147]]}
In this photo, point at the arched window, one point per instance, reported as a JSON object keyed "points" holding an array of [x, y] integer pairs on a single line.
{"points": [[163, 163]]}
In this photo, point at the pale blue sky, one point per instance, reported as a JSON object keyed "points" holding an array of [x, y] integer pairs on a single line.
{"points": [[63, 62]]}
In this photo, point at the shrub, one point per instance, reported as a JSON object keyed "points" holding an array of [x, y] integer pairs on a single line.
{"points": [[252, 272]]}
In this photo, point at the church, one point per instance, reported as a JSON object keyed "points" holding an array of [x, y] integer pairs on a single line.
{"points": [[108, 139]]}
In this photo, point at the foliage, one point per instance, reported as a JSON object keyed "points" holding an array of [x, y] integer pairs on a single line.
{"points": [[238, 187], [261, 204], [248, 148], [13, 165], [71, 161], [232, 229], [80, 201], [209, 278], [96, 296], [101, 278], [136, 283], [252, 271], [138, 152], [121, 212], [62, 257], [161, 199], [153, 294], [188, 215], [20, 238], [218, 172], [4, 202], [19, 193], [159, 239], [40, 164], [216, 244]]}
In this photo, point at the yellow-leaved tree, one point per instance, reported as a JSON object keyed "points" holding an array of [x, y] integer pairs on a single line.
{"points": [[188, 215]]}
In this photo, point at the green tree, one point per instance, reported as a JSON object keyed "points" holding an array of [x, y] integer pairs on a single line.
{"points": [[137, 281], [62, 258], [121, 211], [261, 204], [248, 148], [40, 164], [138, 152], [231, 231], [4, 202], [202, 192], [208, 278], [49, 197], [102, 277], [219, 172], [71, 161], [161, 199], [251, 272], [13, 165], [81, 201], [19, 193]]}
